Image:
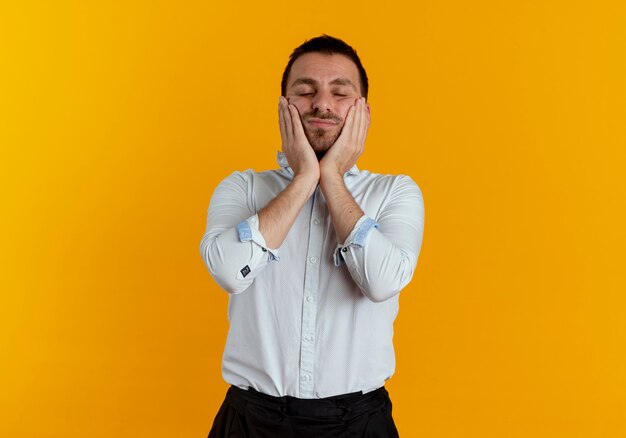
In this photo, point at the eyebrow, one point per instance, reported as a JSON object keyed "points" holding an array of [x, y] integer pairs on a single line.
{"points": [[310, 81], [343, 81]]}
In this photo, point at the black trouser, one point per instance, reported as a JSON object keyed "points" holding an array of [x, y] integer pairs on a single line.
{"points": [[251, 414]]}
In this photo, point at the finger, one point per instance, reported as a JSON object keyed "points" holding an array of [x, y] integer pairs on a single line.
{"points": [[364, 124], [346, 131], [288, 122], [358, 116], [353, 139], [298, 130], [281, 122]]}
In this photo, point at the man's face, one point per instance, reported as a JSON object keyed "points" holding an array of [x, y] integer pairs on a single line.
{"points": [[323, 87]]}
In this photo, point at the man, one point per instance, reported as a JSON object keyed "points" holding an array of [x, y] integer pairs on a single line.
{"points": [[313, 256]]}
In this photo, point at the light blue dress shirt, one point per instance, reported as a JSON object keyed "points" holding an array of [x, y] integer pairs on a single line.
{"points": [[313, 318]]}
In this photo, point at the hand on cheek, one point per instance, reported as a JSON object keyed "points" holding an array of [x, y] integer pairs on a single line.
{"points": [[295, 145], [349, 145]]}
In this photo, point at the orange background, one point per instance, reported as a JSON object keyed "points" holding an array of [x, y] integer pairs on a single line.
{"points": [[118, 119]]}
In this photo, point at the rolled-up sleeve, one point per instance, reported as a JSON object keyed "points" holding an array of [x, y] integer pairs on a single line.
{"points": [[381, 254], [232, 247]]}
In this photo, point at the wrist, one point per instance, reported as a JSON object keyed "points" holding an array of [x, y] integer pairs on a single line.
{"points": [[330, 177], [330, 172], [306, 180]]}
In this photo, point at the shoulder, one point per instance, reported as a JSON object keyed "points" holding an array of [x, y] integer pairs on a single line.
{"points": [[249, 175], [391, 183], [258, 187]]}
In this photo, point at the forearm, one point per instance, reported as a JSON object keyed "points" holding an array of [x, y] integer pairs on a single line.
{"points": [[380, 268], [233, 263], [344, 210], [277, 217], [381, 254], [232, 247]]}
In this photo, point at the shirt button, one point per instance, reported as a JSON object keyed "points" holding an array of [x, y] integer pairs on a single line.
{"points": [[344, 249], [305, 377], [313, 259], [308, 338], [263, 249], [309, 299], [316, 222]]}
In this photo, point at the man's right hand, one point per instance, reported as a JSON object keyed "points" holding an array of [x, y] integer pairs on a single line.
{"points": [[296, 147], [277, 217]]}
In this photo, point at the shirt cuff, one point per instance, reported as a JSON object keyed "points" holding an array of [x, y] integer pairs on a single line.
{"points": [[248, 230], [357, 237]]}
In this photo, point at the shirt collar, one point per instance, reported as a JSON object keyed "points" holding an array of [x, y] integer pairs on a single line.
{"points": [[282, 162]]}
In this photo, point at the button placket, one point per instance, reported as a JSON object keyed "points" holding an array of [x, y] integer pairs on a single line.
{"points": [[309, 303]]}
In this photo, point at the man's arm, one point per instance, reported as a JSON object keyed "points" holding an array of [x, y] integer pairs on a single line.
{"points": [[344, 210], [232, 248], [277, 218], [385, 264], [237, 244], [381, 254]]}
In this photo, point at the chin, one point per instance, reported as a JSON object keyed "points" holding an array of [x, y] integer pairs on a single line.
{"points": [[320, 148], [321, 143]]}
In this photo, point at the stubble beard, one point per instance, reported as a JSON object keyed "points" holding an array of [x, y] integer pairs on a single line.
{"points": [[321, 139]]}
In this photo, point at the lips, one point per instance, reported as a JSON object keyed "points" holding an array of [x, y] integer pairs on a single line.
{"points": [[321, 123]]}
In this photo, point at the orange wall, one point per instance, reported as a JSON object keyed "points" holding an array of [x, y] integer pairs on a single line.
{"points": [[118, 119]]}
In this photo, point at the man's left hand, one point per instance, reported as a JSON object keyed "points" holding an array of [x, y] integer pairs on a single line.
{"points": [[342, 155]]}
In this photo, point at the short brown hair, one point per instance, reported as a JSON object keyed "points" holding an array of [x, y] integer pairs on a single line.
{"points": [[329, 46]]}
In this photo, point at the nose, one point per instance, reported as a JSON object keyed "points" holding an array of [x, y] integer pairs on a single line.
{"points": [[322, 102]]}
